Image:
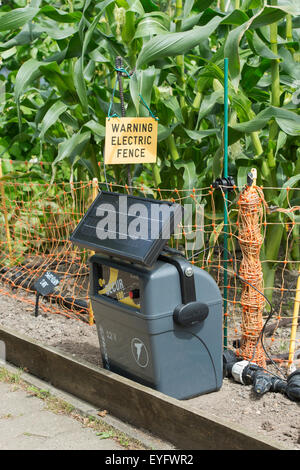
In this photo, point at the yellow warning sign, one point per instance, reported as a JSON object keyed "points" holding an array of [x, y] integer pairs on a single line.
{"points": [[130, 140]]}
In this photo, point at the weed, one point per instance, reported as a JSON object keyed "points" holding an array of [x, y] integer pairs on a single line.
{"points": [[8, 377], [39, 393], [106, 435], [8, 416]]}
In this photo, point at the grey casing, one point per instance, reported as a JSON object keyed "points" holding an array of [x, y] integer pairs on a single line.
{"points": [[179, 361]]}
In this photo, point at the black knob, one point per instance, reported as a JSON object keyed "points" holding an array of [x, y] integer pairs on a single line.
{"points": [[188, 314]]}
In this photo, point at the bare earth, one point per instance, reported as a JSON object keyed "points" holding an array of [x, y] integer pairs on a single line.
{"points": [[273, 416]]}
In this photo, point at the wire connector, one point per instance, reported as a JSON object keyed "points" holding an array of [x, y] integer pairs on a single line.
{"points": [[227, 184]]}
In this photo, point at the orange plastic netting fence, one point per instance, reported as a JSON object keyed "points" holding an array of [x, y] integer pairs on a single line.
{"points": [[36, 221]]}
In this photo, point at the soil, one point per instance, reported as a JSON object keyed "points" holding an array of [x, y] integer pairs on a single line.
{"points": [[272, 416]]}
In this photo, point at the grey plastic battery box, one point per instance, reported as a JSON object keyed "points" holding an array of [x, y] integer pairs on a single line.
{"points": [[149, 333], [159, 319]]}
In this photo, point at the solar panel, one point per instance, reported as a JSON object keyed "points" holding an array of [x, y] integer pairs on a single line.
{"points": [[132, 228]]}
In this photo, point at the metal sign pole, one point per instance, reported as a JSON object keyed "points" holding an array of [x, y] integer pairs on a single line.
{"points": [[119, 66]]}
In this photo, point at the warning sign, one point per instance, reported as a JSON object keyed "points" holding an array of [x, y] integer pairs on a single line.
{"points": [[130, 140]]}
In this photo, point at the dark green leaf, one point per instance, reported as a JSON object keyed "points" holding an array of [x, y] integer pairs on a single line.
{"points": [[17, 18], [259, 47], [96, 128], [199, 135], [79, 66], [172, 44], [26, 36], [164, 132], [288, 121], [72, 147], [141, 83], [289, 184], [52, 116], [268, 16], [149, 26], [61, 16], [189, 173], [172, 103]]}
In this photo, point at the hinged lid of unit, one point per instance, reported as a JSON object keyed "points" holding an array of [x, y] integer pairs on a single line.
{"points": [[132, 228]]}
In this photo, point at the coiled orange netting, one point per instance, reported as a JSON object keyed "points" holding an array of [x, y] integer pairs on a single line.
{"points": [[252, 302]]}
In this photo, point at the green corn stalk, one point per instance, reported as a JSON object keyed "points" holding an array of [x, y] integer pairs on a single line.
{"points": [[274, 232], [172, 148], [289, 33], [289, 28], [275, 95], [180, 58], [70, 4]]}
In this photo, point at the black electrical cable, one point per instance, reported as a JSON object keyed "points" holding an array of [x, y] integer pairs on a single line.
{"points": [[173, 251], [199, 252], [261, 334], [105, 174]]}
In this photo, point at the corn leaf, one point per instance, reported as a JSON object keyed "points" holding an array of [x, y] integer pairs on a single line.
{"points": [[288, 121], [150, 25], [79, 66], [199, 135], [189, 173], [25, 36], [17, 18], [96, 128], [72, 147], [172, 44], [52, 116], [141, 84], [288, 184], [61, 16]]}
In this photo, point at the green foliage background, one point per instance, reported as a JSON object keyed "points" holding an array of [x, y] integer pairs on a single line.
{"points": [[58, 69]]}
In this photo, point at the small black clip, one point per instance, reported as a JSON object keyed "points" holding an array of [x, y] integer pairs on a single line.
{"points": [[250, 179], [272, 209], [227, 184]]}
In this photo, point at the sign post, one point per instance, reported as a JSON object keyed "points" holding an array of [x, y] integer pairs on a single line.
{"points": [[45, 285]]}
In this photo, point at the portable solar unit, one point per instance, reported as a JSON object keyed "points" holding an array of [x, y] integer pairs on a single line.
{"points": [[158, 318]]}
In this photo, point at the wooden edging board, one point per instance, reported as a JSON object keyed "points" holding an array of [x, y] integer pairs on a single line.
{"points": [[165, 417]]}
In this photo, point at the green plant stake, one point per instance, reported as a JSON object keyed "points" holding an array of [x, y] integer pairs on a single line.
{"points": [[225, 170]]}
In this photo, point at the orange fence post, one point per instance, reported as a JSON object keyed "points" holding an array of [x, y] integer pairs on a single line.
{"points": [[250, 240], [7, 232], [94, 195]]}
